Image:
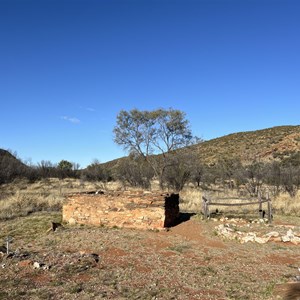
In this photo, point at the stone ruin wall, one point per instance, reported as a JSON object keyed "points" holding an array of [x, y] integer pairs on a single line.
{"points": [[138, 209]]}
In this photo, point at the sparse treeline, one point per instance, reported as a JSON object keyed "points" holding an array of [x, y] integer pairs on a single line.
{"points": [[12, 168], [184, 167], [181, 167]]}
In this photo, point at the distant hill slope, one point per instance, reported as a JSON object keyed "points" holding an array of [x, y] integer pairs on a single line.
{"points": [[10, 166], [6, 155], [264, 145]]}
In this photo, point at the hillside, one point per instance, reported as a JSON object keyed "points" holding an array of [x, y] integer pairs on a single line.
{"points": [[5, 153], [7, 158], [10, 166], [264, 145]]}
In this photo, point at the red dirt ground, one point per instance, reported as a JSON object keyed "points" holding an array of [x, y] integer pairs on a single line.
{"points": [[186, 262]]}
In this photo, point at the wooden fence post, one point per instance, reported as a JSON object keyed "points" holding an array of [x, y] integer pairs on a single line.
{"points": [[261, 213], [205, 208], [269, 212]]}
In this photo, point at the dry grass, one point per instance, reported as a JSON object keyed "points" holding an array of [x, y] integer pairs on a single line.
{"points": [[22, 198], [282, 204], [191, 199], [287, 205]]}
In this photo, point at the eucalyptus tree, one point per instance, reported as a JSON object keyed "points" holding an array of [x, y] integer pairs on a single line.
{"points": [[149, 133]]}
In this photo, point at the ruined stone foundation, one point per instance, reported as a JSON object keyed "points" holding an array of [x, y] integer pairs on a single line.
{"points": [[142, 210]]}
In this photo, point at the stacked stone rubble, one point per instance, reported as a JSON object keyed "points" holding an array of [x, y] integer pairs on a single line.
{"points": [[138, 209]]}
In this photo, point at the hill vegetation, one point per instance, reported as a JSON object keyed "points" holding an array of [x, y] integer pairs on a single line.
{"points": [[266, 145]]}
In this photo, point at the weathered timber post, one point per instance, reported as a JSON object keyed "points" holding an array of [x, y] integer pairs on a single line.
{"points": [[205, 207], [270, 215], [261, 213], [8, 240]]}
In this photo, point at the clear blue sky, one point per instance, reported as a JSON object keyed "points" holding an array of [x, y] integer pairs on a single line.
{"points": [[68, 67]]}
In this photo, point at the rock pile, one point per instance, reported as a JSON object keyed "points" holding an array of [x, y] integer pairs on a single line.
{"points": [[231, 232], [138, 209]]}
